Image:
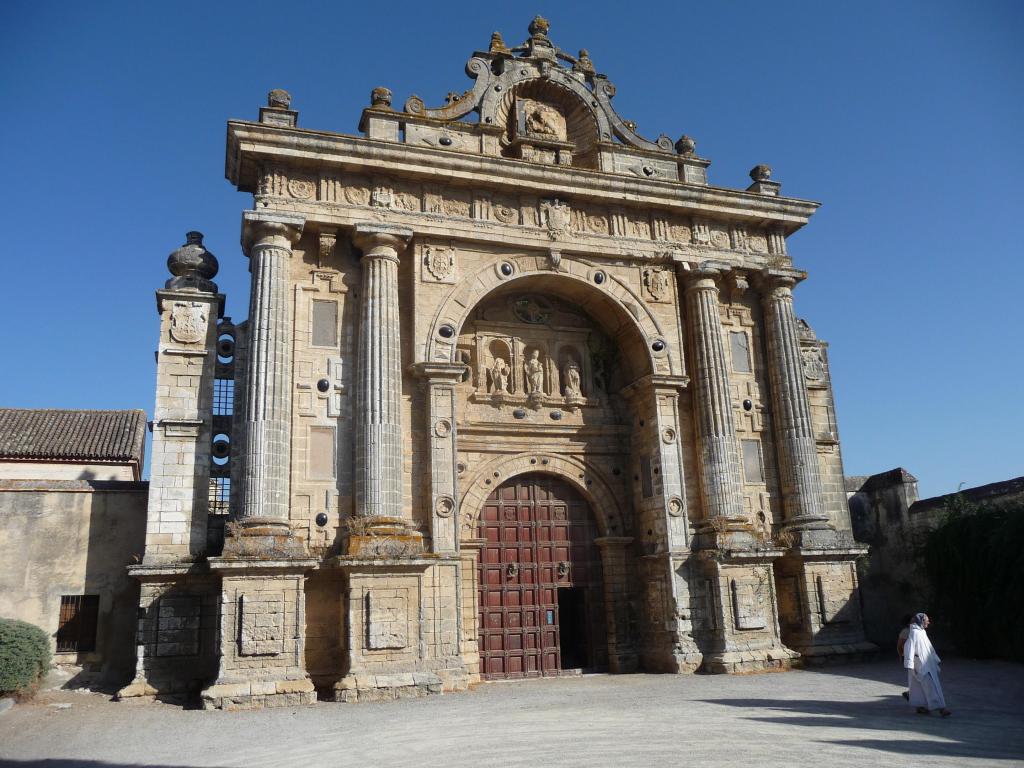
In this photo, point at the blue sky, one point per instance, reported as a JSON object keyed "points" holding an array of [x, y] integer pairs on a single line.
{"points": [[904, 118]]}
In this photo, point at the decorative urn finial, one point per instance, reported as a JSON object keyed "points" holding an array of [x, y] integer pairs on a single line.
{"points": [[279, 98], [761, 172], [380, 97], [192, 265], [686, 146], [498, 43], [539, 27]]}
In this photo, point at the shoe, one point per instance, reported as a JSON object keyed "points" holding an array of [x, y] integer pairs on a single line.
{"points": [[906, 695], [922, 710], [945, 712]]}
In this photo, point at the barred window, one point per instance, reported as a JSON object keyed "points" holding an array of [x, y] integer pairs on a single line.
{"points": [[220, 495], [78, 618], [223, 397]]}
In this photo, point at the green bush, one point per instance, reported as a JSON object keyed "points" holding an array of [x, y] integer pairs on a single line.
{"points": [[975, 563], [24, 656]]}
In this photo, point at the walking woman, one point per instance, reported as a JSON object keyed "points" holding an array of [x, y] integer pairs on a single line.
{"points": [[922, 664]]}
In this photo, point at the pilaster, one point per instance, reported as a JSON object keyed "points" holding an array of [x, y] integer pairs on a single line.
{"points": [[439, 381]]}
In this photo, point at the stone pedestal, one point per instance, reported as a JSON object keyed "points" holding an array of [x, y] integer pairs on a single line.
{"points": [[402, 627], [262, 661], [740, 626]]}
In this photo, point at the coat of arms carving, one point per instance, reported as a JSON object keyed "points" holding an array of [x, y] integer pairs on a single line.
{"points": [[657, 283], [814, 367], [439, 261], [557, 218], [188, 322]]}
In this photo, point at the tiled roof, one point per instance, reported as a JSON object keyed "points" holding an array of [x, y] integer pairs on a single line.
{"points": [[72, 435]]}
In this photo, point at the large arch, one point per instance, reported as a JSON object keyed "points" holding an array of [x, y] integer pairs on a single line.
{"points": [[590, 482], [612, 303]]}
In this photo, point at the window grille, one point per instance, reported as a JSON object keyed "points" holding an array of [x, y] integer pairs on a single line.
{"points": [[220, 495], [78, 619], [223, 397]]}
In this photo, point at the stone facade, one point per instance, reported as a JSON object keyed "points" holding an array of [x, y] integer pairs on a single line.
{"points": [[447, 314]]}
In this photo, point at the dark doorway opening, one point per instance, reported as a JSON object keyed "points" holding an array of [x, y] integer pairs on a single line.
{"points": [[572, 625]]}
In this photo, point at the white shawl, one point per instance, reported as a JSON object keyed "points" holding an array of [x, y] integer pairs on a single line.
{"points": [[918, 653]]}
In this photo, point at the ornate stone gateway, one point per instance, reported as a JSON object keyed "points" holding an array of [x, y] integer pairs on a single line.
{"points": [[513, 282], [541, 588]]}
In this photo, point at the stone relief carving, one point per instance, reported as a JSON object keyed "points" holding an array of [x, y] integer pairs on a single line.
{"points": [[188, 322], [439, 261], [758, 243], [681, 233], [301, 188], [557, 218], [530, 310], [814, 366], [387, 620], [720, 238], [658, 283], [456, 206], [357, 192], [505, 211], [539, 119], [382, 197]]}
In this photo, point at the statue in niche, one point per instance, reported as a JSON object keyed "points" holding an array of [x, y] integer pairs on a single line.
{"points": [[571, 378], [499, 376], [534, 370], [543, 120]]}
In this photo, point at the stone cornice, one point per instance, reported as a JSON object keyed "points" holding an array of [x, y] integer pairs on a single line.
{"points": [[249, 144]]}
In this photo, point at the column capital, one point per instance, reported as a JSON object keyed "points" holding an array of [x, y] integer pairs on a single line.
{"points": [[704, 275], [385, 240], [258, 226], [775, 279], [438, 373], [655, 382]]}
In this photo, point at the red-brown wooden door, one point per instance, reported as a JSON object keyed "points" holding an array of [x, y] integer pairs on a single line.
{"points": [[538, 540]]}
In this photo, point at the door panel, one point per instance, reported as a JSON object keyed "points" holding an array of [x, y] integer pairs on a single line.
{"points": [[538, 538]]}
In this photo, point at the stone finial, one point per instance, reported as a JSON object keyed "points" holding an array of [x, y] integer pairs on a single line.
{"points": [[763, 185], [539, 27], [686, 146], [498, 43], [380, 97], [583, 63], [279, 98], [192, 266], [761, 172]]}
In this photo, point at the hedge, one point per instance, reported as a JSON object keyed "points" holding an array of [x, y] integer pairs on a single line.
{"points": [[24, 655]]}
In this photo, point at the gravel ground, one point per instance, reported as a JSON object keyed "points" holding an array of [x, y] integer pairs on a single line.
{"points": [[841, 716]]}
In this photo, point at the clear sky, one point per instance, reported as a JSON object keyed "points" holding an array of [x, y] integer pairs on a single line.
{"points": [[904, 118]]}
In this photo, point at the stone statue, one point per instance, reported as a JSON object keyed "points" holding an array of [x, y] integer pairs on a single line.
{"points": [[499, 376], [571, 378], [534, 374]]}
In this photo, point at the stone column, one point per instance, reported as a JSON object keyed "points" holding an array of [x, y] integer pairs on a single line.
{"points": [[716, 429], [378, 454], [265, 498], [802, 500]]}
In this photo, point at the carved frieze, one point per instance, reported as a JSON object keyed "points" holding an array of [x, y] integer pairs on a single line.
{"points": [[505, 210], [456, 203], [758, 243]]}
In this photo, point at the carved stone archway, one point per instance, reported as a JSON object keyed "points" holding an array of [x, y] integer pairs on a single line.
{"points": [[661, 354]]}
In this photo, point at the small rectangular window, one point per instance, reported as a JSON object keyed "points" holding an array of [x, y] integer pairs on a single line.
{"points": [[78, 619], [220, 495], [753, 468], [325, 323], [223, 397], [739, 343]]}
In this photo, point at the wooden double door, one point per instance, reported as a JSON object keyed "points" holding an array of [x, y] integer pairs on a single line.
{"points": [[541, 589]]}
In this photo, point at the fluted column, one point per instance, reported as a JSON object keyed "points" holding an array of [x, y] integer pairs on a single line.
{"points": [[268, 371], [802, 499], [378, 454], [716, 429]]}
